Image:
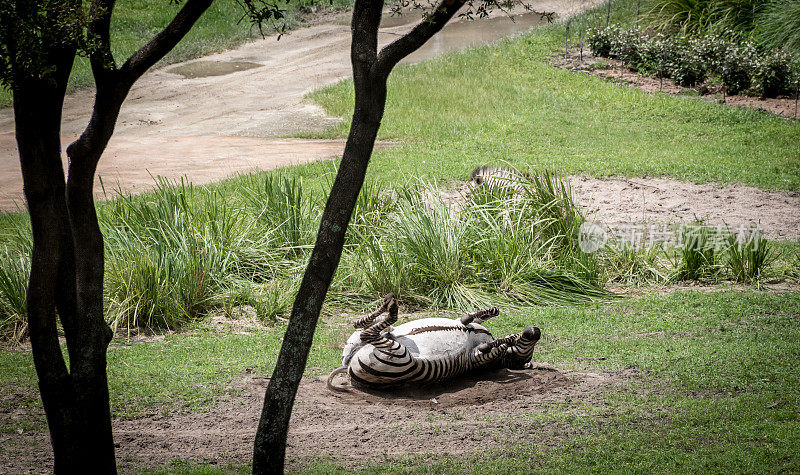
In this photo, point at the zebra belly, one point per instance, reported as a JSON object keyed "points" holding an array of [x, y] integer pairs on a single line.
{"points": [[434, 338]]}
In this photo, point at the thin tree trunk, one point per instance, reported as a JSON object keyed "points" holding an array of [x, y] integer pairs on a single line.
{"points": [[370, 72], [270, 443]]}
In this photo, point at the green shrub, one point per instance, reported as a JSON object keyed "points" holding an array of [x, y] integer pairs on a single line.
{"points": [[737, 68], [656, 54], [687, 67], [712, 50], [626, 46], [739, 65], [600, 40], [773, 75]]}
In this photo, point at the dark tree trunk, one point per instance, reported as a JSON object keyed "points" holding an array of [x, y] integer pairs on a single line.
{"points": [[270, 443], [370, 73], [75, 401], [67, 264]]}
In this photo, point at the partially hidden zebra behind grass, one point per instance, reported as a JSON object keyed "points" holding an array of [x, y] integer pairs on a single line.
{"points": [[496, 179], [429, 349]]}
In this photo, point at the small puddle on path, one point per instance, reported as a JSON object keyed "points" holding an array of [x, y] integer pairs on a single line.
{"points": [[458, 34], [203, 69], [465, 33]]}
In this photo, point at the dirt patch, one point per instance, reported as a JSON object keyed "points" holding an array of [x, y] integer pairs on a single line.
{"points": [[778, 286], [619, 203], [615, 71], [352, 428]]}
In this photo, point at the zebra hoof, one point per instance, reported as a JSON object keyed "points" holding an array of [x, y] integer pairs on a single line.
{"points": [[484, 347]]}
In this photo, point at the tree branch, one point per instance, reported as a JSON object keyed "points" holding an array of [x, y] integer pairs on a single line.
{"points": [[163, 42], [392, 53], [113, 85], [101, 57]]}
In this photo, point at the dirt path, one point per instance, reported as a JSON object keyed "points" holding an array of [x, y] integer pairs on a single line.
{"points": [[620, 202], [207, 119], [352, 428]]}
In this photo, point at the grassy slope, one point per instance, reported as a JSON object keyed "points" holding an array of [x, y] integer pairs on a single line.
{"points": [[136, 21], [505, 103]]}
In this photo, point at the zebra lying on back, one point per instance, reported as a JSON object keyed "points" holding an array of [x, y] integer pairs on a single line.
{"points": [[429, 349]]}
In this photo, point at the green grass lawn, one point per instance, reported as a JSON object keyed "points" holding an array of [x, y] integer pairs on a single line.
{"points": [[715, 385], [506, 104]]}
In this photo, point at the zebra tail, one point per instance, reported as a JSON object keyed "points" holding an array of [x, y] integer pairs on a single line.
{"points": [[340, 369]]}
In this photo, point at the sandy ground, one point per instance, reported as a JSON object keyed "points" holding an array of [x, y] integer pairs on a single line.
{"points": [[657, 204], [210, 118], [351, 428], [620, 202]]}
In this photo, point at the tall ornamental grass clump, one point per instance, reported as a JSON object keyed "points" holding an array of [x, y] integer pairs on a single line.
{"points": [[170, 255], [513, 248], [698, 254], [14, 270], [15, 266], [280, 202], [748, 255], [704, 16], [778, 25]]}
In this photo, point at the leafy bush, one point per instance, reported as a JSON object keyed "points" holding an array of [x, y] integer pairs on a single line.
{"points": [[712, 50], [773, 75], [687, 67], [740, 65], [626, 46], [657, 52], [737, 69], [600, 40]]}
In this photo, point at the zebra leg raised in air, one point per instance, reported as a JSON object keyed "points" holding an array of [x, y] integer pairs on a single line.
{"points": [[480, 316], [369, 319]]}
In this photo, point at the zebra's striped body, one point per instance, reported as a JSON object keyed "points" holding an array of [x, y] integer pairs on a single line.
{"points": [[430, 349], [499, 178]]}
